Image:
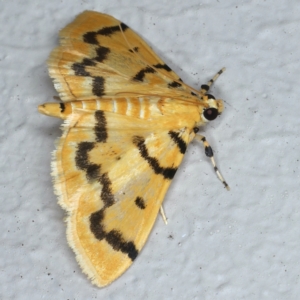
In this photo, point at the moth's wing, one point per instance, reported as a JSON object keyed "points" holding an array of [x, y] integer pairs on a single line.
{"points": [[111, 173], [101, 57]]}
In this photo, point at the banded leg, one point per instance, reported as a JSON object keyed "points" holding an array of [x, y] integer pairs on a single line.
{"points": [[205, 87], [209, 153]]}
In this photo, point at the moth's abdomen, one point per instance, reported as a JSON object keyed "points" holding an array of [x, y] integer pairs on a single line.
{"points": [[138, 107]]}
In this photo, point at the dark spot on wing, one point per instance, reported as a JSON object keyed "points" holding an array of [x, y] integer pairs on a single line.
{"points": [[140, 203]]}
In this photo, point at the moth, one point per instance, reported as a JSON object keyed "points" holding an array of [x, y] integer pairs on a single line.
{"points": [[128, 119]]}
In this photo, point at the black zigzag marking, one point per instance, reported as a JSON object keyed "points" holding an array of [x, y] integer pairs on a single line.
{"points": [[79, 68], [91, 36], [113, 237], [93, 171], [167, 173], [178, 140], [101, 55], [98, 81]]}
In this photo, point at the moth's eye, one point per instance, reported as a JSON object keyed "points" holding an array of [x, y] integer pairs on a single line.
{"points": [[210, 113]]}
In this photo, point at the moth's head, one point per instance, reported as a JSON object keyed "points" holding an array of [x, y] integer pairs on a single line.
{"points": [[212, 108]]}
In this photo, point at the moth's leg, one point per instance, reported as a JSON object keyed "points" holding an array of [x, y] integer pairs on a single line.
{"points": [[209, 153], [163, 214], [56, 98], [205, 87]]}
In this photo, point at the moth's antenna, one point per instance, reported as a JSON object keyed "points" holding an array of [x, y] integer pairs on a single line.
{"points": [[205, 87]]}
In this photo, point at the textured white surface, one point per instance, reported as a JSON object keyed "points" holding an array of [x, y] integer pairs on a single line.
{"points": [[242, 244]]}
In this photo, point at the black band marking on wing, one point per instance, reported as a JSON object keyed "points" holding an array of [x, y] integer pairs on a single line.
{"points": [[98, 86], [174, 84], [167, 173], [100, 127], [139, 76], [97, 226], [178, 140], [163, 66]]}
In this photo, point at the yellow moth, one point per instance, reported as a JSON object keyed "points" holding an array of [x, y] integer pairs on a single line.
{"points": [[128, 121]]}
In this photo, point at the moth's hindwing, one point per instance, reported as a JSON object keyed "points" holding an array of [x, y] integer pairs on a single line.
{"points": [[111, 173]]}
